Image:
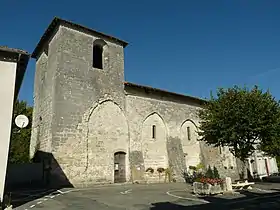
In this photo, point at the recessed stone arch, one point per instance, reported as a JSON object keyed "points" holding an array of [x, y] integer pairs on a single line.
{"points": [[107, 131], [190, 143], [154, 139], [99, 42]]}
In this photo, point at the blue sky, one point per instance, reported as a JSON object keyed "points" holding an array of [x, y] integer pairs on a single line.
{"points": [[184, 46]]}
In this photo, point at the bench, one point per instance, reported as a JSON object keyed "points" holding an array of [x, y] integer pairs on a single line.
{"points": [[242, 185]]}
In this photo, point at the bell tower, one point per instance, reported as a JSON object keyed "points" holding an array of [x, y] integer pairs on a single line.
{"points": [[76, 67]]}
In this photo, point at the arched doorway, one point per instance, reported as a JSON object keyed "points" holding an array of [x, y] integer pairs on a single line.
{"points": [[107, 134], [119, 167]]}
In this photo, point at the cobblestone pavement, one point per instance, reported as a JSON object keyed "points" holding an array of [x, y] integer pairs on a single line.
{"points": [[154, 197]]}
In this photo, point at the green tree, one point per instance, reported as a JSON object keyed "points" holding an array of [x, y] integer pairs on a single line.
{"points": [[241, 119], [20, 138]]}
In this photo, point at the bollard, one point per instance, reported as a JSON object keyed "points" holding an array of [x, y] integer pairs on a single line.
{"points": [[228, 184]]}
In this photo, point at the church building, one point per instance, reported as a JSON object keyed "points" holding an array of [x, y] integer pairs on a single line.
{"points": [[92, 127]]}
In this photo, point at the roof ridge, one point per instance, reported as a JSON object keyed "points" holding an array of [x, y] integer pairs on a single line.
{"points": [[165, 91], [59, 21]]}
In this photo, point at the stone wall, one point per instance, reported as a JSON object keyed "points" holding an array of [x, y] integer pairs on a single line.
{"points": [[182, 150], [44, 87], [212, 156], [155, 177], [171, 116]]}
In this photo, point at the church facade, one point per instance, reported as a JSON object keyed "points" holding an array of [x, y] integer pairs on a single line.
{"points": [[96, 128]]}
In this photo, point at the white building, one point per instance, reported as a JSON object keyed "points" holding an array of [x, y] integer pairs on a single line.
{"points": [[13, 64], [261, 165]]}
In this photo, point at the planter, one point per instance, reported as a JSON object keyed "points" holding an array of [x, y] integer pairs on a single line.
{"points": [[217, 189], [207, 189], [201, 188]]}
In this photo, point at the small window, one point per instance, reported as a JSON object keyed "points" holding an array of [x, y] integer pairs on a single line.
{"points": [[97, 56], [154, 131], [189, 133]]}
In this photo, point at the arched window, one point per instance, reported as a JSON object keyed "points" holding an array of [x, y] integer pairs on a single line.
{"points": [[154, 132], [97, 56], [189, 133]]}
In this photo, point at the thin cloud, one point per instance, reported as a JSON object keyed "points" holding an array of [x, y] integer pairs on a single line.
{"points": [[264, 73]]}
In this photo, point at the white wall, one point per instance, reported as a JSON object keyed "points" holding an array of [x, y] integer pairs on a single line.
{"points": [[7, 88], [258, 165], [272, 165]]}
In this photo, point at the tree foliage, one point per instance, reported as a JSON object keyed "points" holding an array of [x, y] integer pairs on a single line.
{"points": [[20, 138], [209, 173], [216, 173], [241, 119]]}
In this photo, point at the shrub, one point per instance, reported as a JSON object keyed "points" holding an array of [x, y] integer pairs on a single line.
{"points": [[192, 168], [216, 173], [160, 170], [190, 178], [187, 177], [151, 170], [199, 166], [209, 173]]}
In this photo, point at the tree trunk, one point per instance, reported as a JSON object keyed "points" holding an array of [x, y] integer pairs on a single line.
{"points": [[241, 166]]}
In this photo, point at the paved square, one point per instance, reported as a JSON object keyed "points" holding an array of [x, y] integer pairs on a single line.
{"points": [[153, 196]]}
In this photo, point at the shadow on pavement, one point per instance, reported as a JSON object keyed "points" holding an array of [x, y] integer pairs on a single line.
{"points": [[21, 197], [250, 201], [53, 179]]}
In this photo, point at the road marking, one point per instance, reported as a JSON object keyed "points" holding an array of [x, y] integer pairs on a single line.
{"points": [[126, 192], [185, 198], [64, 192], [45, 198], [230, 202]]}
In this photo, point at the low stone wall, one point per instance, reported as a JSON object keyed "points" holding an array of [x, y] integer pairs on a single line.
{"points": [[155, 177], [207, 189]]}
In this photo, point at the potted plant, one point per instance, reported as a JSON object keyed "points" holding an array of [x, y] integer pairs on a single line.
{"points": [[209, 184], [151, 170], [160, 171]]}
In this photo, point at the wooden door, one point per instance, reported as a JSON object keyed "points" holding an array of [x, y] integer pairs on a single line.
{"points": [[119, 167]]}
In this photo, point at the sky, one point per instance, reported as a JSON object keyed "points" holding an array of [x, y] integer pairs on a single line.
{"points": [[184, 46]]}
